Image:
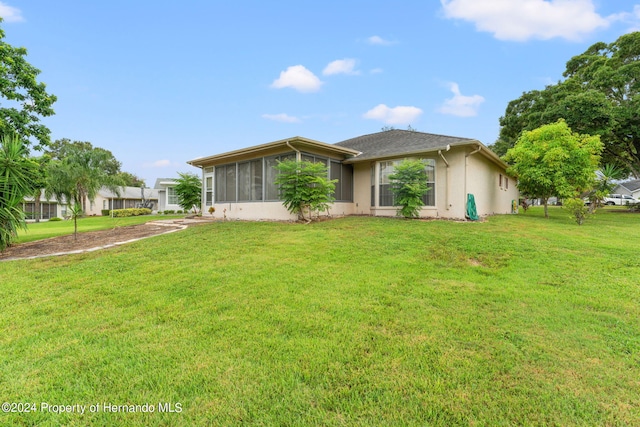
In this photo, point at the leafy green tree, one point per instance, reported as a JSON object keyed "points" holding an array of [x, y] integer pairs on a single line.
{"points": [[599, 96], [80, 173], [554, 161], [189, 191], [131, 180], [18, 177], [28, 99], [305, 187], [409, 185], [60, 149]]}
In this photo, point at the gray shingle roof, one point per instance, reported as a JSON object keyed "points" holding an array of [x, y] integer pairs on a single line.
{"points": [[632, 185], [397, 142], [129, 193]]}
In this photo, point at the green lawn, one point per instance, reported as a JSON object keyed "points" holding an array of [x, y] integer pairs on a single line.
{"points": [[517, 320]]}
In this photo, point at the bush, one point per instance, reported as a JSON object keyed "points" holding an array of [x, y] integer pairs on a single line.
{"points": [[121, 213], [55, 218], [578, 210], [105, 212], [179, 211], [304, 187], [409, 185], [169, 212]]}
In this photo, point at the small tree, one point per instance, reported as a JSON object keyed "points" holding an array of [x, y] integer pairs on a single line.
{"points": [[553, 161], [409, 185], [189, 191], [75, 212], [305, 187], [577, 209]]}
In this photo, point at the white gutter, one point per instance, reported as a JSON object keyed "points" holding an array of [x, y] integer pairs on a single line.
{"points": [[446, 184], [298, 154], [466, 163]]}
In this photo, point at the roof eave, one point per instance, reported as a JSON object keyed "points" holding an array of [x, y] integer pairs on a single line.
{"points": [[199, 162]]}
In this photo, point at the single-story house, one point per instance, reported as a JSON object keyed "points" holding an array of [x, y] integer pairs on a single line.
{"points": [[240, 183], [129, 197], [47, 209], [630, 188], [167, 197]]}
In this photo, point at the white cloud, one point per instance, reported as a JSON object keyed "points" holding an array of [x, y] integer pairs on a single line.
{"points": [[460, 105], [341, 66], [10, 13], [401, 115], [282, 117], [377, 40], [376, 71], [157, 164], [521, 20], [299, 78], [630, 18]]}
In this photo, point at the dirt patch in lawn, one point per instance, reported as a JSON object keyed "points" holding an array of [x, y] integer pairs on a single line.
{"points": [[86, 241]]}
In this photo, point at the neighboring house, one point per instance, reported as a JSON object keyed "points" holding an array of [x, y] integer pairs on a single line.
{"points": [[129, 197], [167, 197], [630, 188], [49, 208], [242, 181]]}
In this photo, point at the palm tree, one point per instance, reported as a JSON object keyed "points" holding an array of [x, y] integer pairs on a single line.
{"points": [[79, 176], [18, 178]]}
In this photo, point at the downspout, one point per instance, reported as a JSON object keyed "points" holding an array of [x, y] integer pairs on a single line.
{"points": [[446, 184], [466, 164], [298, 154]]}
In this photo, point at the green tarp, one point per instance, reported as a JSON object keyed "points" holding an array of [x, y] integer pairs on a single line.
{"points": [[472, 213]]}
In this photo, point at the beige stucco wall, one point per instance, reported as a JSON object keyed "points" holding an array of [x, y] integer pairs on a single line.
{"points": [[467, 172], [268, 211]]}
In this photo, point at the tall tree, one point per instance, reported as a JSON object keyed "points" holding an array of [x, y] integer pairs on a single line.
{"points": [[78, 171], [554, 161], [18, 177], [131, 180], [599, 96], [28, 99]]}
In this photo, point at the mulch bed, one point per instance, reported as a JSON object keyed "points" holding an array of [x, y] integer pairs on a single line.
{"points": [[85, 240]]}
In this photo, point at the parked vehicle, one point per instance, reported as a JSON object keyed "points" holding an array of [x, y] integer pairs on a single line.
{"points": [[619, 200]]}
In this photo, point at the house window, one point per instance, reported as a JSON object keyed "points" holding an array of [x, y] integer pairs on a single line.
{"points": [[208, 190], [344, 187], [225, 183], [250, 181], [429, 199], [172, 197], [385, 195], [504, 182], [271, 189]]}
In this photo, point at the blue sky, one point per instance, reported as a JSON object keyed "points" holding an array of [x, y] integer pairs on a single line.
{"points": [[162, 82]]}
